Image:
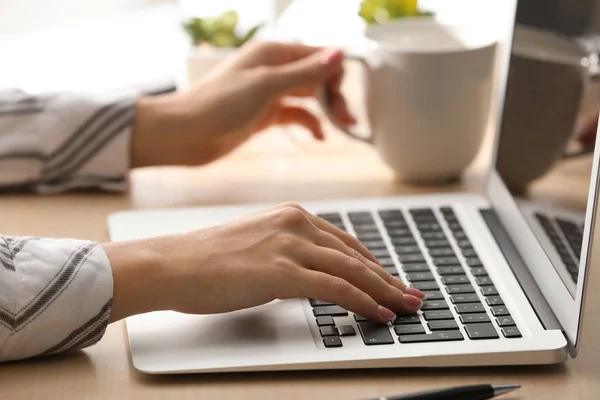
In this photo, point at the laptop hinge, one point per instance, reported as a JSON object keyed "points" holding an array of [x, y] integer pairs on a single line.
{"points": [[519, 268]]}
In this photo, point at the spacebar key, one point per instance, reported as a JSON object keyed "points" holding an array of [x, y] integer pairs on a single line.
{"points": [[373, 334], [439, 336]]}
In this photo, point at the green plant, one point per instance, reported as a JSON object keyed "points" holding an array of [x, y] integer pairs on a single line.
{"points": [[219, 31], [381, 11]]}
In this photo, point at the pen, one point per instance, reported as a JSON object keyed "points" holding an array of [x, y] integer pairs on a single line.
{"points": [[475, 392]]}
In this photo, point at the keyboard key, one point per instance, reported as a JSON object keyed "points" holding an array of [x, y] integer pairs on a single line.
{"points": [[499, 311], [359, 318], [380, 253], [331, 217], [409, 319], [451, 271], [455, 279], [398, 233], [474, 318], [441, 336], [479, 271], [460, 235], [403, 241], [444, 325], [438, 314], [474, 262], [511, 332], [469, 308], [395, 224], [434, 244], [416, 268], [484, 281], [454, 226], [434, 295], [441, 252], [374, 334], [481, 331], [387, 262], [428, 285], [411, 258], [494, 301], [464, 298], [347, 330], [429, 227], [319, 303], [433, 238], [440, 261], [435, 305], [464, 244], [409, 329], [328, 331], [325, 321], [365, 228], [469, 253], [334, 311], [407, 250], [368, 236], [392, 271], [458, 289], [489, 291], [420, 276], [391, 214], [505, 321], [360, 216], [332, 341], [420, 211], [447, 211], [374, 244]]}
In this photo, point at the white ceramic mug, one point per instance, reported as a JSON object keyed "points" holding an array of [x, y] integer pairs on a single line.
{"points": [[428, 90]]}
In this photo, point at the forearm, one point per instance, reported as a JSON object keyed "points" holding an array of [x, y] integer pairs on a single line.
{"points": [[55, 296], [53, 143]]}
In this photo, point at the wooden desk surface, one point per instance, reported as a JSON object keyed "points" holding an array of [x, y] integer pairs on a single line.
{"points": [[273, 167]]}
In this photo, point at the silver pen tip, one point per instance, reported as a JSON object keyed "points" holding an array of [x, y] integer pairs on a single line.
{"points": [[503, 389]]}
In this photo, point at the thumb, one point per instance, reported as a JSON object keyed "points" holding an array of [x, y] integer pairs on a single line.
{"points": [[308, 71]]}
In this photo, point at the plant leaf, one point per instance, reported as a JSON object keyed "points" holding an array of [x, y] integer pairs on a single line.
{"points": [[241, 41]]}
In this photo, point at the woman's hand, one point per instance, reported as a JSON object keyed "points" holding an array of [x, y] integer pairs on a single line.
{"points": [[281, 253], [240, 97]]}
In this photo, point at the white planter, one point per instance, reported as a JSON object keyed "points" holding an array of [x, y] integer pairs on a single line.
{"points": [[199, 61]]}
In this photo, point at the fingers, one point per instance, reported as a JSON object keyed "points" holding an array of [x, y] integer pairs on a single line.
{"points": [[312, 70], [288, 115], [355, 272], [332, 242], [339, 107], [322, 286]]}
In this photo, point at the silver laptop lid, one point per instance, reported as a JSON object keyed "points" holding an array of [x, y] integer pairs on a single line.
{"points": [[544, 182]]}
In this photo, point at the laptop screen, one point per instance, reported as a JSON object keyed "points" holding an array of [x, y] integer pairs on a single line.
{"points": [[545, 152]]}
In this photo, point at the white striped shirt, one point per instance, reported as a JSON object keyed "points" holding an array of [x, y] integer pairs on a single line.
{"points": [[55, 294]]}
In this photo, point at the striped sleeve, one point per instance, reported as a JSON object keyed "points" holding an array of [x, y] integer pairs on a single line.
{"points": [[55, 296], [58, 142]]}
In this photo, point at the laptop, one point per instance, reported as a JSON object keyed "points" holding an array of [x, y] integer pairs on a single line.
{"points": [[500, 287]]}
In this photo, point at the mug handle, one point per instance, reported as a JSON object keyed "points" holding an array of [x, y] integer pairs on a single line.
{"points": [[324, 97]]}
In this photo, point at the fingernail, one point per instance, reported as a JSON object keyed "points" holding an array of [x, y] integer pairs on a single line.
{"points": [[412, 301], [386, 314], [330, 55], [414, 292]]}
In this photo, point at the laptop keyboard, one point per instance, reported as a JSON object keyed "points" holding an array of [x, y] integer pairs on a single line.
{"points": [[567, 239], [459, 306]]}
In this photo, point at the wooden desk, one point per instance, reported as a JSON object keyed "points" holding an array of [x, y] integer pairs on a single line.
{"points": [[270, 168]]}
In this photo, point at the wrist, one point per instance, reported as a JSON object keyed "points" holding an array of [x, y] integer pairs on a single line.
{"points": [[158, 120], [137, 276]]}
